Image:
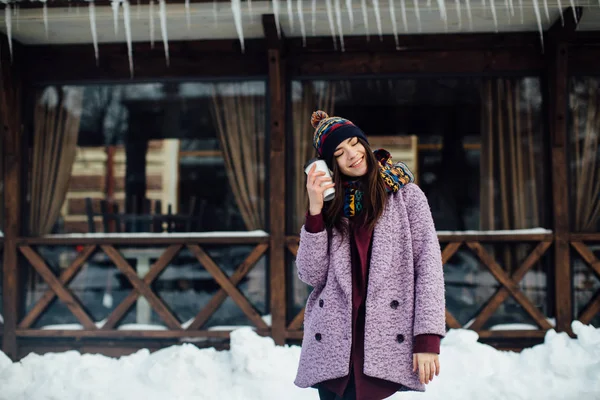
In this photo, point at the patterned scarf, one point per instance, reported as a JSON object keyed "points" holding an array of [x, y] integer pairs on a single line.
{"points": [[395, 176]]}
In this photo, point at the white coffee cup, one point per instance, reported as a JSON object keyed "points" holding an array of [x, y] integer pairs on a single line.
{"points": [[329, 194]]}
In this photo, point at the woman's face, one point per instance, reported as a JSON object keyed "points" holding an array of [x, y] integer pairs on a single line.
{"points": [[350, 157]]}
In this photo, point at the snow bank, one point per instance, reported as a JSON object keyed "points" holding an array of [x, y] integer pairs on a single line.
{"points": [[254, 369]]}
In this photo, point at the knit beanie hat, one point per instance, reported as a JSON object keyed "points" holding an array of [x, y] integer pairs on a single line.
{"points": [[330, 132]]}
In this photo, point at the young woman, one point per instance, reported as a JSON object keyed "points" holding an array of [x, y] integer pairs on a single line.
{"points": [[375, 317]]}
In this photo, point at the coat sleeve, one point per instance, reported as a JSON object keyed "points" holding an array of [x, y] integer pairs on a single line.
{"points": [[430, 300], [312, 259]]}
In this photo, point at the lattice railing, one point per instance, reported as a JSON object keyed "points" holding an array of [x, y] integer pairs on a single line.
{"points": [[581, 244], [508, 283], [141, 285]]}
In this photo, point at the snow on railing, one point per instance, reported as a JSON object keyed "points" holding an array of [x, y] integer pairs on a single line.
{"points": [[170, 235]]}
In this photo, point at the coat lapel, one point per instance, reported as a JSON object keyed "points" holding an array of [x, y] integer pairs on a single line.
{"points": [[341, 259]]}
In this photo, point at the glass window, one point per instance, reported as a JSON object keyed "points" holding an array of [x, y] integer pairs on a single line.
{"points": [[475, 146], [584, 178], [149, 158], [472, 143]]}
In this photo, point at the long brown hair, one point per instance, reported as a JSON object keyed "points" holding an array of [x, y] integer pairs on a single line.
{"points": [[375, 195]]}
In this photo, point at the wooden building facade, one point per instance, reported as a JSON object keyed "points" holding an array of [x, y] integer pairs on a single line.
{"points": [[40, 266]]}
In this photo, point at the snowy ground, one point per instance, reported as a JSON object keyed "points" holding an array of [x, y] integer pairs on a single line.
{"points": [[254, 369]]}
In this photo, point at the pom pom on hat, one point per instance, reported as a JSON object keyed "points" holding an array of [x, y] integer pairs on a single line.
{"points": [[317, 117], [330, 132]]}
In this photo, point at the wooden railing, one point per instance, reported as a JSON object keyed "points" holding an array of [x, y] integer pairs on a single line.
{"points": [[580, 243], [509, 284], [109, 247], [141, 285]]}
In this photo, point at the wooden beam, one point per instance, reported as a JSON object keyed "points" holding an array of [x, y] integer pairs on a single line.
{"points": [[159, 266], [10, 115], [65, 277], [208, 58], [64, 294], [228, 286], [219, 297], [443, 42], [565, 31], [274, 35], [415, 62], [502, 293], [557, 95], [277, 172], [157, 239], [510, 285], [142, 287]]}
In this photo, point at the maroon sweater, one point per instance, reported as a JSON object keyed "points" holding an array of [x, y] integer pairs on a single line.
{"points": [[367, 387]]}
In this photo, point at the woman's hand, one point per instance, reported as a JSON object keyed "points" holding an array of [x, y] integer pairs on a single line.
{"points": [[428, 365], [315, 191]]}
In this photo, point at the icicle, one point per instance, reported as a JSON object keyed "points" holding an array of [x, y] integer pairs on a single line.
{"points": [[546, 10], [92, 10], [560, 9], [290, 15], [338, 17], [276, 13], [45, 12], [469, 14], [236, 8], [443, 15], [314, 17], [366, 18], [115, 9], [378, 18], [187, 14], [403, 10], [301, 18], [494, 15], [151, 23], [459, 14], [394, 25], [429, 4], [512, 7], [331, 23], [8, 23], [127, 22], [350, 14], [522, 16], [215, 14], [538, 17], [162, 13], [418, 14], [574, 10], [250, 10]]}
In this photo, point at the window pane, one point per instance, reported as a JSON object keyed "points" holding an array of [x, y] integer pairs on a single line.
{"points": [[150, 158], [584, 161], [472, 143]]}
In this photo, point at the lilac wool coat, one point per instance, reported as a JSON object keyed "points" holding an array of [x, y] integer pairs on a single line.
{"points": [[405, 295]]}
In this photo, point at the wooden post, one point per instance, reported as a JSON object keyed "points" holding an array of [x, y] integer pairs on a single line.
{"points": [[558, 91], [10, 101], [277, 218]]}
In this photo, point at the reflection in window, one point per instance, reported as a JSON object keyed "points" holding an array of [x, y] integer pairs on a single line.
{"points": [[150, 158], [584, 174], [475, 145]]}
